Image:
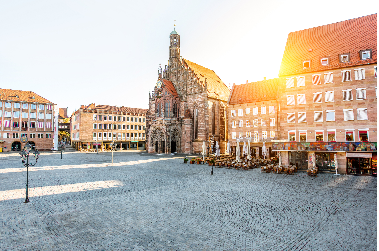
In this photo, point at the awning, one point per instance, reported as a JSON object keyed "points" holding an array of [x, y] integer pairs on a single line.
{"points": [[359, 155]]}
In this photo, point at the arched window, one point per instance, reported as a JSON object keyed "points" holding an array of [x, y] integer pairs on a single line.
{"points": [[195, 123]]}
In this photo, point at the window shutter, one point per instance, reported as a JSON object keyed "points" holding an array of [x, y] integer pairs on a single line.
{"points": [[316, 79], [318, 117], [361, 93], [290, 82], [290, 100], [291, 117], [300, 81], [348, 114], [317, 97], [302, 117]]}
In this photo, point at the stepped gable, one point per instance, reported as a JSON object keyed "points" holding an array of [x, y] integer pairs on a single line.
{"points": [[350, 36], [25, 96], [255, 91], [170, 87], [215, 87]]}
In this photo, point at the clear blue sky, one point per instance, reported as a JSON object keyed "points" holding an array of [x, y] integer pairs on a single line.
{"points": [[108, 52]]}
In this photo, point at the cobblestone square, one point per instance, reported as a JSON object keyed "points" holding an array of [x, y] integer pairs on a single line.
{"points": [[156, 202]]}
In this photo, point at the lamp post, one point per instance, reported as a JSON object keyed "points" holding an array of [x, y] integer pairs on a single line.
{"points": [[25, 161]]}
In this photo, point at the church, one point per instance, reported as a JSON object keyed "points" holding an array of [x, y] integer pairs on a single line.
{"points": [[187, 107]]}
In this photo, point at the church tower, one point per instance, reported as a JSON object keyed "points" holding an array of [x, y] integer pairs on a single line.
{"points": [[174, 47]]}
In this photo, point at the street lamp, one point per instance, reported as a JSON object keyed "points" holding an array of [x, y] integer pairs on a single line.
{"points": [[25, 161]]}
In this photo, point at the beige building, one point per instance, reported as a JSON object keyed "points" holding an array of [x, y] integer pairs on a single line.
{"points": [[102, 124]]}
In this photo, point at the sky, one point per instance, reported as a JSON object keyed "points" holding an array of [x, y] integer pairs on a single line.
{"points": [[77, 52]]}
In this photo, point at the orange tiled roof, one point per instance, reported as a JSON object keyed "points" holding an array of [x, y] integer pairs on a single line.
{"points": [[255, 91], [350, 36], [109, 108], [216, 88], [25, 96], [170, 87]]}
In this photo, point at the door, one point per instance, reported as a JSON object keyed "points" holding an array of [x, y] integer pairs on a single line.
{"points": [[173, 146]]}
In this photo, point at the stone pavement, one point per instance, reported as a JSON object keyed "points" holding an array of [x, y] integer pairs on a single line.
{"points": [[150, 202]]}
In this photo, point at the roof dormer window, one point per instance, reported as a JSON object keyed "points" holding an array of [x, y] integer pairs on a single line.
{"points": [[307, 64], [345, 58], [324, 61], [366, 54]]}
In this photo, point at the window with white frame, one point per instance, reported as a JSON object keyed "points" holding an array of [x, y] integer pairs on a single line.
{"points": [[331, 135], [329, 96], [100, 135], [290, 100], [94, 126], [256, 136], [24, 115], [347, 95], [290, 117], [328, 77], [362, 114], [255, 111], [48, 115], [263, 122], [8, 105], [306, 64], [348, 114], [303, 136], [272, 134], [233, 113], [344, 58], [317, 97], [324, 61], [94, 116], [272, 121], [349, 135], [264, 134], [247, 123], [240, 123], [271, 109], [290, 82], [41, 116], [301, 99], [300, 81], [234, 124], [24, 106], [363, 135], [319, 135], [247, 134], [234, 135], [330, 115], [346, 75], [240, 112], [365, 54], [240, 135], [255, 122], [41, 107], [361, 93], [247, 111], [263, 110], [302, 117], [16, 105], [16, 114], [359, 74], [94, 136], [318, 116], [316, 79], [292, 135]]}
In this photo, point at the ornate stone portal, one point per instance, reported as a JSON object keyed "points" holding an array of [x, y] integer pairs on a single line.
{"points": [[187, 106]]}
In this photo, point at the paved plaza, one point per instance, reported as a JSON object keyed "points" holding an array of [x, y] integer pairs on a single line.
{"points": [[156, 202]]}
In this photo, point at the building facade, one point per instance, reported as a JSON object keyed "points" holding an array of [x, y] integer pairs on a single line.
{"points": [[253, 113], [101, 125], [25, 113], [187, 107], [329, 103]]}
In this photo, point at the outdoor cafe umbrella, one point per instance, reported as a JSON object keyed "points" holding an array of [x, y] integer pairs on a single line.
{"points": [[248, 150], [244, 148], [228, 148], [204, 150], [264, 150], [280, 159], [217, 149], [238, 151]]}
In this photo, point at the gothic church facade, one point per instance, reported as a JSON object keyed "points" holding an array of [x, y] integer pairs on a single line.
{"points": [[188, 106]]}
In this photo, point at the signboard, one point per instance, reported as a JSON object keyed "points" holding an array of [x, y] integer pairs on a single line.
{"points": [[24, 139], [134, 141]]}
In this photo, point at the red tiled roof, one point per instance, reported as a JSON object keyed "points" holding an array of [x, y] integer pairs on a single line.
{"points": [[170, 87], [215, 87], [256, 91], [109, 108], [18, 95], [350, 36]]}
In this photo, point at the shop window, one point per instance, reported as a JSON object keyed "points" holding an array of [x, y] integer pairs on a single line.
{"points": [[272, 134], [348, 114], [290, 82], [359, 74], [364, 55], [349, 135], [301, 99], [344, 58], [271, 109], [318, 116], [332, 136], [330, 115], [303, 136], [319, 135], [316, 79], [363, 136], [346, 75], [300, 81], [247, 111], [290, 100], [272, 121], [302, 117], [329, 96], [317, 97], [234, 135], [361, 93], [362, 114], [347, 95], [292, 136], [290, 117]]}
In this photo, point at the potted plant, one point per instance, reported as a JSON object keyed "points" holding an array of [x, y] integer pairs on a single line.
{"points": [[185, 160], [198, 161], [192, 161], [211, 162]]}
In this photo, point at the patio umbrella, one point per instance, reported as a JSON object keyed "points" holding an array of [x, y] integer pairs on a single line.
{"points": [[228, 148], [217, 149], [336, 164], [238, 152], [280, 159], [264, 150], [244, 150], [248, 150], [204, 150]]}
